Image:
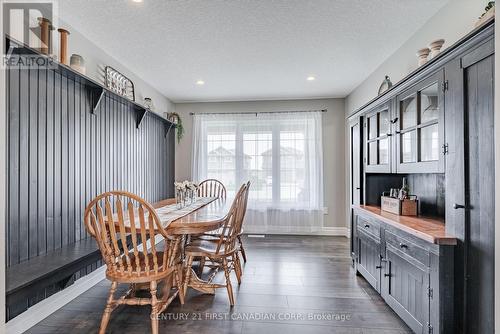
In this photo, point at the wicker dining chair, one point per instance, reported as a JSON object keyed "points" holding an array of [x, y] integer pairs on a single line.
{"points": [[224, 249], [122, 236]]}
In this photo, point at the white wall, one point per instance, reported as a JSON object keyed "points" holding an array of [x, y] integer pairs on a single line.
{"points": [[452, 22], [95, 61], [333, 143]]}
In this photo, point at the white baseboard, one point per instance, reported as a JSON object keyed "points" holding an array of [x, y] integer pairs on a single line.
{"points": [[337, 231], [46, 307], [325, 231]]}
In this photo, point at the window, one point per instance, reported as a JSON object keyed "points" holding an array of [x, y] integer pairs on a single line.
{"points": [[280, 153]]}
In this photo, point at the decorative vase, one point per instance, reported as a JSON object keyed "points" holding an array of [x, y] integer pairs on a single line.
{"points": [[77, 63], [179, 198], [63, 45], [148, 103], [45, 35], [422, 55], [435, 47]]}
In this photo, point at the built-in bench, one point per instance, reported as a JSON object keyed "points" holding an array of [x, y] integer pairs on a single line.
{"points": [[33, 280]]}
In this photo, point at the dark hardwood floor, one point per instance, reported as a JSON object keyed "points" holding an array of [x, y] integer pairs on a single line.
{"points": [[287, 280]]}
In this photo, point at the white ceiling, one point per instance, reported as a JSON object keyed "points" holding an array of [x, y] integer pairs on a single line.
{"points": [[249, 50]]}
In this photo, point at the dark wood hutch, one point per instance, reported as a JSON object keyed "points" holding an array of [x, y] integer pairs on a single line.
{"points": [[434, 128]]}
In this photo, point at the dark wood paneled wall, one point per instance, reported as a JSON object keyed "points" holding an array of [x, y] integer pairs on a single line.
{"points": [[61, 156], [430, 189]]}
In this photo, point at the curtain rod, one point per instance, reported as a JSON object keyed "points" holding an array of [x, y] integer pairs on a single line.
{"points": [[256, 112]]}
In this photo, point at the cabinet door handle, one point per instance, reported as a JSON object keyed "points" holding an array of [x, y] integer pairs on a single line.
{"points": [[358, 188], [387, 275], [393, 121], [378, 267], [458, 206], [389, 134], [398, 132], [402, 245], [367, 226]]}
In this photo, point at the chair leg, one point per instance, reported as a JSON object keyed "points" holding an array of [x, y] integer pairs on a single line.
{"points": [[154, 308], [178, 284], [228, 282], [187, 276], [202, 265], [108, 309], [242, 250], [237, 267]]}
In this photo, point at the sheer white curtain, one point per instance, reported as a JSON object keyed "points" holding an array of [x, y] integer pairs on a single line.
{"points": [[280, 153]]}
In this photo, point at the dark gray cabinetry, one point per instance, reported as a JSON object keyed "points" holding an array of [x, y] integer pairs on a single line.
{"points": [[470, 178], [378, 139], [368, 251], [356, 170], [442, 124], [420, 127], [414, 277], [405, 288]]}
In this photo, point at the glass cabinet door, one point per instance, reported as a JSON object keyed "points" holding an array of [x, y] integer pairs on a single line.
{"points": [[420, 128], [378, 140]]}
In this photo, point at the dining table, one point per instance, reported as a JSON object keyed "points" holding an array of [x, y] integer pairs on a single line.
{"points": [[208, 217]]}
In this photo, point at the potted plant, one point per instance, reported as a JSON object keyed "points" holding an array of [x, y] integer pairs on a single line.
{"points": [[176, 119]]}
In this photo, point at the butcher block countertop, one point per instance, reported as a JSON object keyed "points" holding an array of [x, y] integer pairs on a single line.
{"points": [[429, 229]]}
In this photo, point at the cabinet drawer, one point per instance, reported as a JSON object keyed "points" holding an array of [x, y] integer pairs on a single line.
{"points": [[418, 253], [368, 225]]}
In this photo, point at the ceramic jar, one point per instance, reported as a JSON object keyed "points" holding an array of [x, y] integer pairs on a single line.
{"points": [[435, 47], [422, 55]]}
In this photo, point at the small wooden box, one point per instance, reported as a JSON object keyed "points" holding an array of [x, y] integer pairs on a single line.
{"points": [[406, 207]]}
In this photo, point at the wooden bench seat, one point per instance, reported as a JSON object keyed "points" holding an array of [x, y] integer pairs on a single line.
{"points": [[26, 282]]}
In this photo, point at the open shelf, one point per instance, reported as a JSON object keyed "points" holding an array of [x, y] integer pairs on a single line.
{"points": [[96, 90]]}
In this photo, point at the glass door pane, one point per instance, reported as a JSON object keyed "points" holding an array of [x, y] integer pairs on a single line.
{"points": [[429, 104], [408, 151], [408, 112], [384, 151], [429, 143], [384, 123], [372, 153], [372, 127]]}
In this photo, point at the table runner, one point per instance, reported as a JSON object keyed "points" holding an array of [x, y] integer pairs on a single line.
{"points": [[170, 212]]}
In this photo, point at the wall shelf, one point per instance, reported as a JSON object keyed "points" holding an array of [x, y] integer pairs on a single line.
{"points": [[96, 90]]}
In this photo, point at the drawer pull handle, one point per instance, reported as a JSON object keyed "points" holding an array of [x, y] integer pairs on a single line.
{"points": [[378, 267], [367, 226], [387, 275], [403, 245]]}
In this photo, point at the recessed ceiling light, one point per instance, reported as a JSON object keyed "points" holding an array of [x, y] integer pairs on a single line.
{"points": [[311, 78], [137, 1], [200, 82]]}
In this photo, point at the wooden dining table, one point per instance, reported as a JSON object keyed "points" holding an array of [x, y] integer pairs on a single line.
{"points": [[207, 218]]}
